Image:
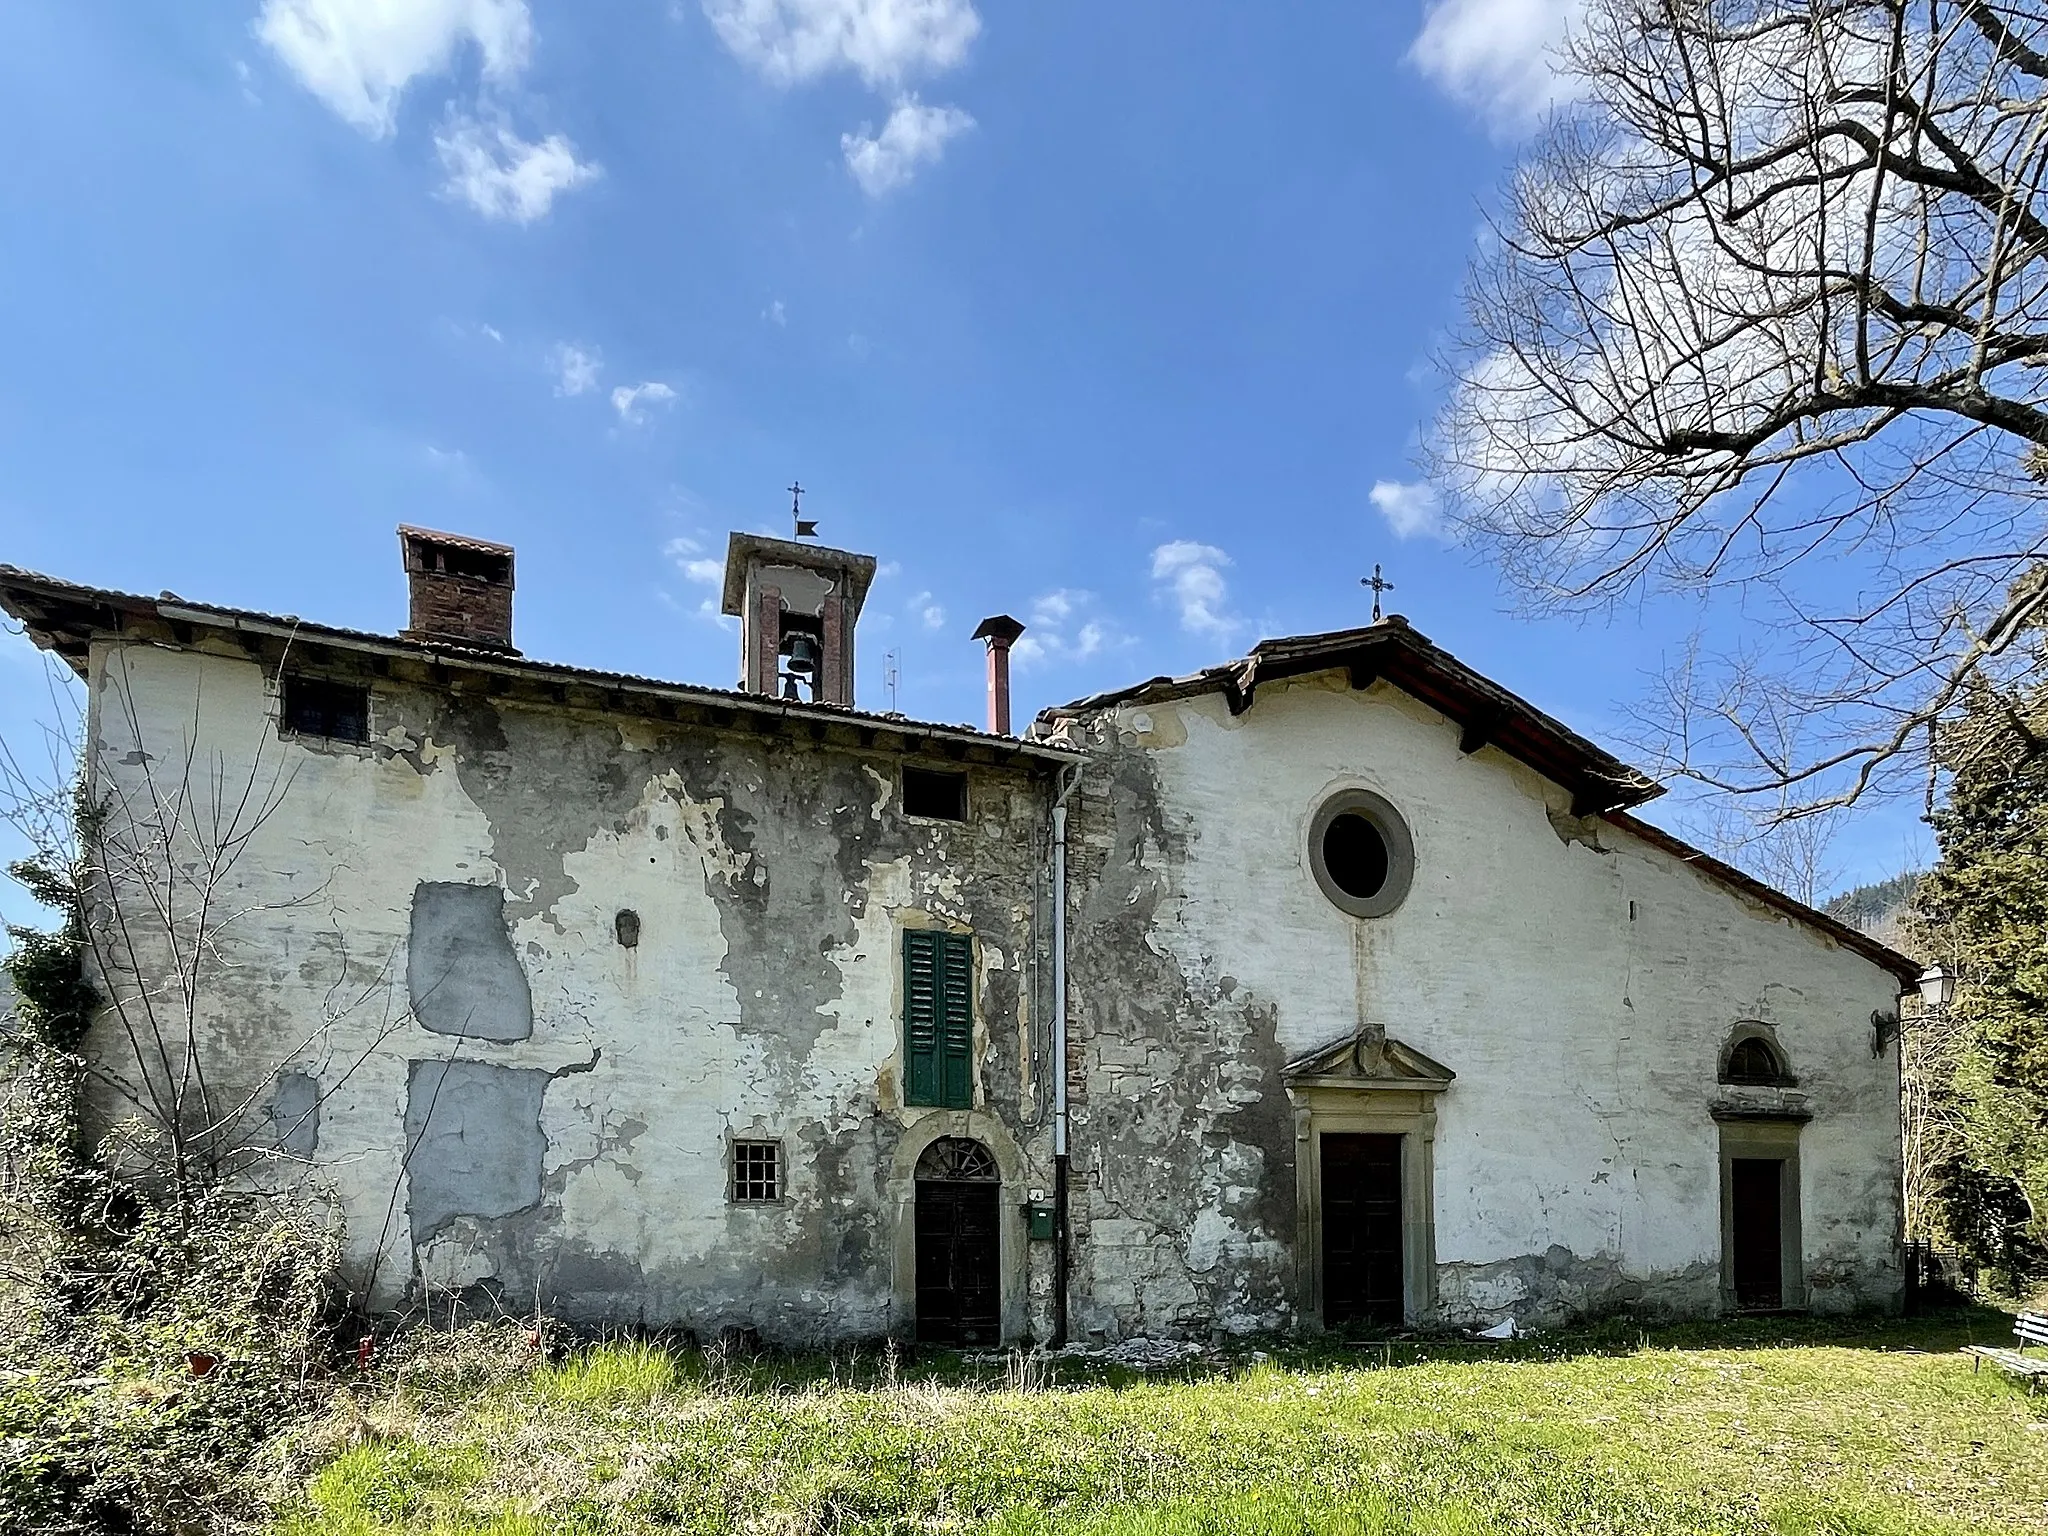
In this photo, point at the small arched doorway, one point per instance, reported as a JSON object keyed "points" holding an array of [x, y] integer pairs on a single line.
{"points": [[959, 1273]]}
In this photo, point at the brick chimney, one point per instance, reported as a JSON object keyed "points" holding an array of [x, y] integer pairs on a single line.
{"points": [[1001, 633], [461, 589]]}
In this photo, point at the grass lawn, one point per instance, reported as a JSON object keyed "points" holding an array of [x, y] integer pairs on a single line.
{"points": [[1788, 1426]]}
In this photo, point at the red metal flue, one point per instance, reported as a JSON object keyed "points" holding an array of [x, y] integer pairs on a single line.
{"points": [[1001, 633]]}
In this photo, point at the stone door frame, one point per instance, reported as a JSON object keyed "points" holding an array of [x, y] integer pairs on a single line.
{"points": [[924, 1127], [1773, 1137], [1367, 1085]]}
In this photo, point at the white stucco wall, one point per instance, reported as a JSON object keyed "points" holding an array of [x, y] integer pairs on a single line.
{"points": [[1582, 997]]}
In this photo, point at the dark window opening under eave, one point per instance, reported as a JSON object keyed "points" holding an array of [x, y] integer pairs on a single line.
{"points": [[935, 793], [320, 706]]}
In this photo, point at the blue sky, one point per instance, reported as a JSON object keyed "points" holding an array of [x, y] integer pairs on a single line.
{"points": [[1119, 318]]}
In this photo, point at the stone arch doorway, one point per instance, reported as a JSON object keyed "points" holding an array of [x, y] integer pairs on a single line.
{"points": [[959, 1265]]}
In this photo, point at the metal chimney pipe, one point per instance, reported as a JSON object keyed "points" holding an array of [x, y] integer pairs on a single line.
{"points": [[1000, 632]]}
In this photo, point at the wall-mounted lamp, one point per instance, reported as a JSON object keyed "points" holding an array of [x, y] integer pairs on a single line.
{"points": [[1937, 989], [1937, 986]]}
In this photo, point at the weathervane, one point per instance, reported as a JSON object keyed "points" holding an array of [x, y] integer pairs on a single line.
{"points": [[806, 528], [1379, 584]]}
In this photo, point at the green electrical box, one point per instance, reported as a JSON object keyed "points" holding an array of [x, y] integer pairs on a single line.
{"points": [[1039, 1217]]}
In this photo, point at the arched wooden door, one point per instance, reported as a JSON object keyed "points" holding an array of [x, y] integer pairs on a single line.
{"points": [[959, 1274]]}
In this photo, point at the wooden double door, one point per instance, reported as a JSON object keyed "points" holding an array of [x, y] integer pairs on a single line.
{"points": [[1362, 1236]]}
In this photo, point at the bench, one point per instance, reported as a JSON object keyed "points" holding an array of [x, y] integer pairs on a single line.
{"points": [[2028, 1328]]}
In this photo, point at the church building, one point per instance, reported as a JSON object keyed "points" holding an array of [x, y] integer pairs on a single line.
{"points": [[1334, 987]]}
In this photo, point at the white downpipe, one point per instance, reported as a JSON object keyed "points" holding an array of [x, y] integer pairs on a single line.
{"points": [[1059, 974], [1061, 1196]]}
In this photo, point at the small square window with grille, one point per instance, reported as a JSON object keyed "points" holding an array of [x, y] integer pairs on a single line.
{"points": [[756, 1171], [320, 706]]}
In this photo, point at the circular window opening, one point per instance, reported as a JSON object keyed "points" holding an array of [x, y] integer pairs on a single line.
{"points": [[1361, 853], [1356, 856]]}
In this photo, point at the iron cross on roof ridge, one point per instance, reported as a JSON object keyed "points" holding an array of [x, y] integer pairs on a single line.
{"points": [[1379, 584], [806, 528]]}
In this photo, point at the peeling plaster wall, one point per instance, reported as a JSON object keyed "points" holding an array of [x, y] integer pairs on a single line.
{"points": [[1580, 982], [426, 1000], [503, 1097]]}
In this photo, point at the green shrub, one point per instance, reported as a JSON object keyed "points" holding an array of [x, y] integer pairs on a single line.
{"points": [[104, 1425], [55, 1001]]}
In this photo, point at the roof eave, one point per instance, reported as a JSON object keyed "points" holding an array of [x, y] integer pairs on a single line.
{"points": [[69, 643], [1486, 713]]}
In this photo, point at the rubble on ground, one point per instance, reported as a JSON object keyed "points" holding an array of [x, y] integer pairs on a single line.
{"points": [[1135, 1354]]}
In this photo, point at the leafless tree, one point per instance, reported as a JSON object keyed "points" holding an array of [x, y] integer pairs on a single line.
{"points": [[1759, 833], [153, 843], [1790, 854], [1934, 1131], [170, 920], [1766, 315]]}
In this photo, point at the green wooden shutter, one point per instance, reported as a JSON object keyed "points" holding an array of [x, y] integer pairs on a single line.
{"points": [[921, 1016], [956, 1021], [938, 1018]]}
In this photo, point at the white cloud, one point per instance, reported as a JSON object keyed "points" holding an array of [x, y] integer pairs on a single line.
{"points": [[929, 613], [492, 331], [358, 56], [631, 400], [1494, 56], [775, 314], [688, 559], [883, 41], [1054, 607], [915, 135], [1051, 636], [1192, 574], [577, 369], [459, 468], [501, 175], [1409, 506]]}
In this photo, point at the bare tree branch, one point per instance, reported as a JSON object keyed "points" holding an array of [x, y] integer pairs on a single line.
{"points": [[1766, 314]]}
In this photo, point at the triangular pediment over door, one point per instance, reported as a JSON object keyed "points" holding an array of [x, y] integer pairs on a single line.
{"points": [[1367, 1059]]}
